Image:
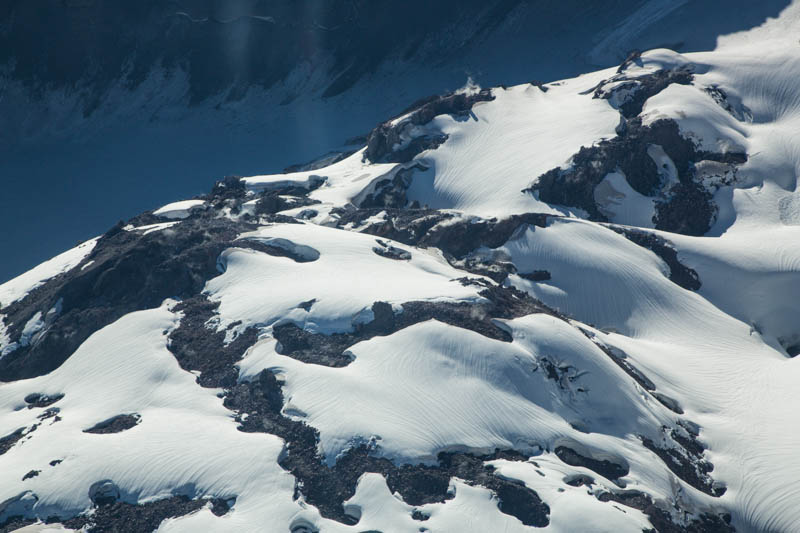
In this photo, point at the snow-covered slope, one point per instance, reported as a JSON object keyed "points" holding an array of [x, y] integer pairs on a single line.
{"points": [[164, 97], [565, 306]]}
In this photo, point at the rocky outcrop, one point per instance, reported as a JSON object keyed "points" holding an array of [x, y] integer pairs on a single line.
{"points": [[396, 141], [656, 159], [662, 519], [679, 273], [628, 93], [127, 271], [682, 206], [327, 487], [115, 424]]}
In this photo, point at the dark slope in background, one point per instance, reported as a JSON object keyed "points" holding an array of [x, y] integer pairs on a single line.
{"points": [[108, 107]]}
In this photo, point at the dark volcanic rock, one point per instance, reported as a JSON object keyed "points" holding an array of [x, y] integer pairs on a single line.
{"points": [[121, 517], [621, 360], [686, 459], [579, 480], [7, 442], [457, 238], [574, 186], [230, 187], [637, 90], [604, 467], [327, 487], [328, 350], [272, 202], [14, 523], [299, 253], [31, 474], [679, 273], [389, 192], [115, 424], [200, 348], [391, 252], [384, 143], [685, 207], [465, 236], [41, 400], [536, 275], [732, 105], [129, 272], [662, 520]]}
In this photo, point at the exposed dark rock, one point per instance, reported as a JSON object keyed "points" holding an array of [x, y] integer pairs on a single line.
{"points": [[272, 202], [56, 462], [51, 412], [679, 273], [391, 252], [685, 208], [563, 375], [620, 358], [385, 143], [199, 348], [221, 506], [289, 188], [539, 84], [327, 487], [14, 523], [389, 192], [666, 401], [419, 515], [7, 442], [579, 480], [328, 350], [230, 187], [536, 275], [482, 265], [734, 106], [115, 424], [574, 186], [112, 516], [314, 348], [457, 238], [31, 474], [662, 520], [407, 225], [299, 253], [130, 271], [422, 228], [603, 467], [121, 517], [682, 453], [630, 93], [41, 400], [104, 492], [634, 58]]}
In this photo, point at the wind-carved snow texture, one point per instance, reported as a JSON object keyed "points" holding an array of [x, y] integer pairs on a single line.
{"points": [[401, 339]]}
